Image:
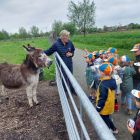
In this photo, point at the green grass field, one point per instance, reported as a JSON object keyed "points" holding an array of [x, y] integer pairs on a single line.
{"points": [[12, 51], [123, 41]]}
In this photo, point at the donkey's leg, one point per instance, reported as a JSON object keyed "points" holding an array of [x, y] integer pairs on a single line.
{"points": [[34, 94], [30, 95], [3, 91], [3, 94]]}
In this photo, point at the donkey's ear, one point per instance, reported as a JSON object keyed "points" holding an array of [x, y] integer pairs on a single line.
{"points": [[25, 47], [28, 48]]}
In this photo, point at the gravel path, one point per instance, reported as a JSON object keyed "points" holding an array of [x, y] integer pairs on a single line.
{"points": [[79, 66]]}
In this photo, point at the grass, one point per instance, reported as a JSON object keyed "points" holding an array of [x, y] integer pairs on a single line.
{"points": [[12, 52], [123, 41]]}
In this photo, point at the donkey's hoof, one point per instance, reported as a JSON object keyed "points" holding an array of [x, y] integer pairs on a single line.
{"points": [[31, 106], [38, 103], [6, 98]]}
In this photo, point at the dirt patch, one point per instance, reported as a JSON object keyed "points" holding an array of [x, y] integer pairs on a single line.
{"points": [[42, 122]]}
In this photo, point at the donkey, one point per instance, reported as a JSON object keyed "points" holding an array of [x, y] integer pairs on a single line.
{"points": [[26, 74]]}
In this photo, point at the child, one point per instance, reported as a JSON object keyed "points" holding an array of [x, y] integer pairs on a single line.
{"points": [[102, 54], [133, 126], [112, 52], [98, 60], [116, 68], [127, 83], [106, 95], [113, 60], [90, 75]]}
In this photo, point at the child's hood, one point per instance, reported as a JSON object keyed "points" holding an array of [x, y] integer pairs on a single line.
{"points": [[110, 84]]}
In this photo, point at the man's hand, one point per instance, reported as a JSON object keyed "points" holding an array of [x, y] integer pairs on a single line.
{"points": [[69, 54]]}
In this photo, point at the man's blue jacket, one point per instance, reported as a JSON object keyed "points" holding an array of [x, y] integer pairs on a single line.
{"points": [[62, 49]]}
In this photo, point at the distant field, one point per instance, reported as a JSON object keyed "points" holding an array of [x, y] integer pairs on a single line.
{"points": [[124, 41], [12, 52]]}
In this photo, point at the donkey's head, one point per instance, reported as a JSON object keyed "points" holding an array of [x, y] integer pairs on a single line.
{"points": [[37, 57]]}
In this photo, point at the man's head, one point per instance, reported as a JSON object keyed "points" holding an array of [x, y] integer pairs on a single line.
{"points": [[136, 49], [64, 36]]}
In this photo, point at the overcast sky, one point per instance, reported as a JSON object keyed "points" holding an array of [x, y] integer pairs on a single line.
{"points": [[42, 13]]}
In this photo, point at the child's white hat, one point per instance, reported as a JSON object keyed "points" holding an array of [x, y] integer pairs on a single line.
{"points": [[136, 93], [137, 64]]}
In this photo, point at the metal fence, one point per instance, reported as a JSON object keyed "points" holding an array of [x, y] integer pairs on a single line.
{"points": [[74, 133]]}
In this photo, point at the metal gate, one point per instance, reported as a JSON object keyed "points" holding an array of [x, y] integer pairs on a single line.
{"points": [[66, 97]]}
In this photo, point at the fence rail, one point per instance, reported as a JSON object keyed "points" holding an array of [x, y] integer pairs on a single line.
{"points": [[98, 124]]}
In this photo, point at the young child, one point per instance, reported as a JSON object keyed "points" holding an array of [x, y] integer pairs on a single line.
{"points": [[116, 68], [90, 76], [113, 60], [112, 52], [102, 55], [98, 60], [127, 83], [106, 95], [133, 126]]}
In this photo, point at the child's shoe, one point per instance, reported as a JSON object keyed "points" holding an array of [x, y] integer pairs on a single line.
{"points": [[129, 112]]}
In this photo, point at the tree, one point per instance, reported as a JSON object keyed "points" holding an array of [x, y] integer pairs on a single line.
{"points": [[14, 36], [4, 35], [70, 27], [133, 26], [57, 26], [82, 14], [34, 31], [22, 32]]}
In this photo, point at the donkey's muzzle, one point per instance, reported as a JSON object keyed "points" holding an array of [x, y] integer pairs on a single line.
{"points": [[50, 63]]}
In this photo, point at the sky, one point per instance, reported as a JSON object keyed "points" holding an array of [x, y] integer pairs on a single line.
{"points": [[42, 13]]}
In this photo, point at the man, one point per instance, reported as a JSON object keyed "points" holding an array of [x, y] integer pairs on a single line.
{"points": [[136, 77], [65, 48]]}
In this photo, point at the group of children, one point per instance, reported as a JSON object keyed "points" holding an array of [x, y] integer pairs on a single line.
{"points": [[107, 75]]}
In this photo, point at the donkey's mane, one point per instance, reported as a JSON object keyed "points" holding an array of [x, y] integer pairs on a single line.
{"points": [[27, 61]]}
